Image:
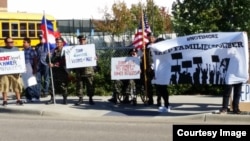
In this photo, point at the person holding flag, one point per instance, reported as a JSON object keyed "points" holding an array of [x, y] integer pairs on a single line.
{"points": [[60, 74], [141, 40], [56, 60]]}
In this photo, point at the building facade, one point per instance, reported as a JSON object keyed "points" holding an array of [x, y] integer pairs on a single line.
{"points": [[3, 5]]}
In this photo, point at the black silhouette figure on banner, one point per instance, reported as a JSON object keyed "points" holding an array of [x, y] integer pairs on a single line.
{"points": [[175, 69], [189, 79], [211, 74], [223, 69], [185, 76], [217, 78], [216, 60], [204, 73], [196, 74], [181, 79]]}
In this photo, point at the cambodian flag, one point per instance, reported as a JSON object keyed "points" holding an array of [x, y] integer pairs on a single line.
{"points": [[48, 33]]}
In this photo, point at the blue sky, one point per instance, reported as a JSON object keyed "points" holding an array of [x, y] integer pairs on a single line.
{"points": [[69, 9]]}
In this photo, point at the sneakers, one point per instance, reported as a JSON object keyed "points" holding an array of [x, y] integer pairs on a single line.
{"points": [[44, 95], [91, 102], [79, 102], [35, 100], [237, 111], [51, 101], [223, 111], [112, 100], [5, 103], [19, 102], [125, 101], [164, 109]]}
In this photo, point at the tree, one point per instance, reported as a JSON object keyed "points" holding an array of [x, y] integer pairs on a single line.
{"points": [[159, 18], [115, 23], [125, 21], [199, 16]]}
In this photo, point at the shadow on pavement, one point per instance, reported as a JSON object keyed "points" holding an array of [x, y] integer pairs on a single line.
{"points": [[177, 109]]}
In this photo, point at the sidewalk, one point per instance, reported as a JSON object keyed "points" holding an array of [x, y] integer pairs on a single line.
{"points": [[198, 107]]}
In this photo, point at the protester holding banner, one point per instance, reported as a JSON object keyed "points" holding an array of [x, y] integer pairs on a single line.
{"points": [[161, 89], [43, 74], [233, 82], [121, 86], [226, 52], [236, 98], [149, 70], [10, 81], [31, 68], [84, 79], [60, 74]]}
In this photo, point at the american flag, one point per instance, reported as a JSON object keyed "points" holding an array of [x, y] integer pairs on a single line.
{"points": [[141, 37]]}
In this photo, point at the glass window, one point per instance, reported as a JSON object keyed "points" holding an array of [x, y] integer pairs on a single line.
{"points": [[32, 30], [5, 29], [39, 31], [23, 29], [14, 29]]}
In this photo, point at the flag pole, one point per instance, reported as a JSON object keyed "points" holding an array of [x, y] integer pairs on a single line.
{"points": [[144, 57], [48, 47]]}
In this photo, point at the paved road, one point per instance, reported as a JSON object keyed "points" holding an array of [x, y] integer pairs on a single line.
{"points": [[198, 107]]}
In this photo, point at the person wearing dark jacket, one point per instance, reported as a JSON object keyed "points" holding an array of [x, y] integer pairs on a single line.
{"points": [[60, 74], [149, 70]]}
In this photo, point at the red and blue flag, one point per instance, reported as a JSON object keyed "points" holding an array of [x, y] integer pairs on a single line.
{"points": [[48, 33]]}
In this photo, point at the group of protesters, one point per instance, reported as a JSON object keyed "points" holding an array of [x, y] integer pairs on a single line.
{"points": [[36, 81], [40, 62]]}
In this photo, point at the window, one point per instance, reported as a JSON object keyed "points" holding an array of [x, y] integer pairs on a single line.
{"points": [[14, 29], [39, 31], [32, 30], [5, 29], [23, 29]]}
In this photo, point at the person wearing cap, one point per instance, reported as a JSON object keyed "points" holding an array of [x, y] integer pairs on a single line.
{"points": [[57, 63], [43, 74], [124, 84], [84, 79]]}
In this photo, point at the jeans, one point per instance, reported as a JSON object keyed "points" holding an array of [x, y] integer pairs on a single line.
{"points": [[30, 92], [161, 91], [236, 96], [43, 79]]}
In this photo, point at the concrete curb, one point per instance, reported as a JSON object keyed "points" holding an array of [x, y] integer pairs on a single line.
{"points": [[198, 118], [186, 109]]}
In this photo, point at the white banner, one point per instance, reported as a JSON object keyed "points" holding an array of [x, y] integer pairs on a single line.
{"points": [[125, 68], [245, 93], [207, 58], [12, 62], [80, 56]]}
